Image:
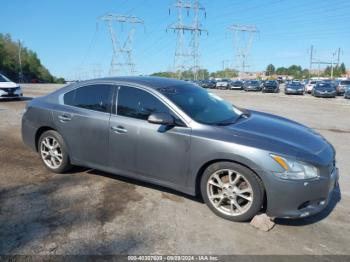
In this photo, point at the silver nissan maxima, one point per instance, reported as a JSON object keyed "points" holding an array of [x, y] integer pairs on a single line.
{"points": [[179, 135]]}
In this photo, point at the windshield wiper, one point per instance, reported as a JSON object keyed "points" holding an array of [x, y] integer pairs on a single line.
{"points": [[226, 123]]}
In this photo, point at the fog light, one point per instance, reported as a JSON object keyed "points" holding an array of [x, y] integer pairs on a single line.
{"points": [[322, 202]]}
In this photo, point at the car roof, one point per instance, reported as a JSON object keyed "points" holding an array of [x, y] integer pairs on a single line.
{"points": [[148, 81]]}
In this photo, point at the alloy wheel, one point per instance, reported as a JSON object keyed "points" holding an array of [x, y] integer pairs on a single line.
{"points": [[51, 152], [230, 192]]}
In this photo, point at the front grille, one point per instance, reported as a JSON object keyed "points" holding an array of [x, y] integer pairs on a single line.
{"points": [[8, 90]]}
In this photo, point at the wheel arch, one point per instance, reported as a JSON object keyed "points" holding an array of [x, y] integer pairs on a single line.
{"points": [[201, 170], [39, 132]]}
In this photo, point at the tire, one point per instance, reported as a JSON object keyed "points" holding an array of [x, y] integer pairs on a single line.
{"points": [[53, 157], [247, 180]]}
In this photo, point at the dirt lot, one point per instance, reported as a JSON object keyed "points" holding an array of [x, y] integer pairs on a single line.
{"points": [[91, 212]]}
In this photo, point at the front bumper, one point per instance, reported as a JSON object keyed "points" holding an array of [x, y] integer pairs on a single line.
{"points": [[269, 90], [252, 88], [318, 94], [10, 94], [294, 92], [297, 199]]}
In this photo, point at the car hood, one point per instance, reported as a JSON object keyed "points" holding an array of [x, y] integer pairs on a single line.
{"points": [[278, 135], [8, 85]]}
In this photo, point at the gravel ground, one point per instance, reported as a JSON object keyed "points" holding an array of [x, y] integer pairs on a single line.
{"points": [[91, 212]]}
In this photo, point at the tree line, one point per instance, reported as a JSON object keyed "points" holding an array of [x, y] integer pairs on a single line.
{"points": [[32, 69], [201, 74], [297, 71]]}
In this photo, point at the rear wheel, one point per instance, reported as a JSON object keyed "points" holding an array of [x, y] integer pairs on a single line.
{"points": [[53, 152], [232, 191]]}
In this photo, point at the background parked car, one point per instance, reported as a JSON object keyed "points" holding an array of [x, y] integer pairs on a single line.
{"points": [[208, 84], [252, 85], [271, 86], [347, 92], [295, 88], [236, 85], [310, 85], [340, 86], [9, 89], [223, 84], [324, 90]]}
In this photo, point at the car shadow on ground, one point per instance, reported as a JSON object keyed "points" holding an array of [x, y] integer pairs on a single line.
{"points": [[136, 182], [335, 198], [24, 98]]}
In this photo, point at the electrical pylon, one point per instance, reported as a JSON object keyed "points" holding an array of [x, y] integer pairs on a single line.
{"points": [[187, 54], [243, 39], [122, 61]]}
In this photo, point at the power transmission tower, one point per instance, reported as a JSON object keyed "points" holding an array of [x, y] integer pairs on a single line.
{"points": [[243, 39], [122, 53], [187, 54]]}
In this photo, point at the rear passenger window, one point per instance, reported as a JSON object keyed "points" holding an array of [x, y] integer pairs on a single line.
{"points": [[136, 103], [92, 97]]}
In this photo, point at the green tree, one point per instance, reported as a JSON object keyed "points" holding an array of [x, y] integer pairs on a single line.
{"points": [[270, 70], [227, 73], [342, 69], [31, 65], [282, 71]]}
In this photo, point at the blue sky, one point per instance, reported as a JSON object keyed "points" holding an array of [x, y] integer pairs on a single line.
{"points": [[72, 42]]}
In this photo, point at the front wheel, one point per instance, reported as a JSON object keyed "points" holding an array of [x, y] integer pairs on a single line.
{"points": [[232, 191], [53, 152]]}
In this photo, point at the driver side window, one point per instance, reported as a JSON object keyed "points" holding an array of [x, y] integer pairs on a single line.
{"points": [[136, 103]]}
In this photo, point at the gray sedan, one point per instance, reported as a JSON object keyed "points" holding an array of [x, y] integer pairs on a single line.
{"points": [[178, 135]]}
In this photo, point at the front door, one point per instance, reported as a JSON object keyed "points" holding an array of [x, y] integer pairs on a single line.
{"points": [[148, 150]]}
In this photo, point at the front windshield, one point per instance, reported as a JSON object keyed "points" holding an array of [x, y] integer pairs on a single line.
{"points": [[4, 79], [345, 82], [323, 86], [254, 83], [201, 105]]}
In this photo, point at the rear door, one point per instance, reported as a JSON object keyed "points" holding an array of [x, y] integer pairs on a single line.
{"points": [[83, 122], [149, 150]]}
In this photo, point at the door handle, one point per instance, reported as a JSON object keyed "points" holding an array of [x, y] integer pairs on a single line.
{"points": [[119, 129], [64, 118]]}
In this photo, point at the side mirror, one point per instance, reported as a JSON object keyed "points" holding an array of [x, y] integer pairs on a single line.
{"points": [[161, 119]]}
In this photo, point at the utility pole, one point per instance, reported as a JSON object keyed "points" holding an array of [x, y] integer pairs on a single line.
{"points": [[184, 57], [20, 73], [331, 63], [338, 59], [243, 40], [122, 53], [225, 65], [311, 55]]}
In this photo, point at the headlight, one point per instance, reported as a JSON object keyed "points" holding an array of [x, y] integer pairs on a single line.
{"points": [[295, 170]]}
